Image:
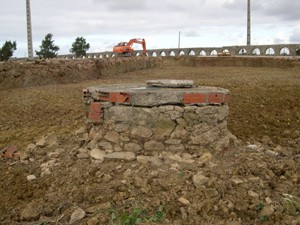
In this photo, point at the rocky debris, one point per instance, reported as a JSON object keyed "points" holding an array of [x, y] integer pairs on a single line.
{"points": [[77, 216], [47, 140]]}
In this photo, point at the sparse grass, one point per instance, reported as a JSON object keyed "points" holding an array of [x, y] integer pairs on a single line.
{"points": [[137, 216], [291, 204]]}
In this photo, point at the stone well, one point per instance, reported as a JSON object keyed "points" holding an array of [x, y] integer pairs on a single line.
{"points": [[163, 115]]}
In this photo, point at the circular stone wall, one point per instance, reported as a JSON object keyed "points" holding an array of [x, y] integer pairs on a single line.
{"points": [[148, 120]]}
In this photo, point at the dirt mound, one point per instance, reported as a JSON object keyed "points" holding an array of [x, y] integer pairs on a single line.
{"points": [[37, 73], [232, 61], [243, 185]]}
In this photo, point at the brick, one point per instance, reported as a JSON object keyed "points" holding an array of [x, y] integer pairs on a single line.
{"points": [[94, 114], [9, 153], [192, 98], [85, 93], [215, 98], [95, 107], [94, 117], [118, 97]]}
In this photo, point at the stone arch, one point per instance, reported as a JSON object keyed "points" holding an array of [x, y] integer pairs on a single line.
{"points": [[255, 51], [113, 55], [181, 53], [154, 54], [225, 50], [162, 53], [285, 51], [214, 52], [270, 51], [297, 51], [202, 53], [172, 53], [243, 51], [192, 52]]}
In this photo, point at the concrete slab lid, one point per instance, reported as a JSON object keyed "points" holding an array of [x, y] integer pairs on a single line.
{"points": [[141, 95], [170, 83]]}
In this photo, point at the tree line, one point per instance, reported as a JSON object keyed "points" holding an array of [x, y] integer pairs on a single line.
{"points": [[47, 50]]}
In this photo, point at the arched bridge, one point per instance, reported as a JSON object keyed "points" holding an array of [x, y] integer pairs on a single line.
{"points": [[262, 50]]}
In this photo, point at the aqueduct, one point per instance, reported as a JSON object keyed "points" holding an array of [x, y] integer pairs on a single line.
{"points": [[262, 50]]}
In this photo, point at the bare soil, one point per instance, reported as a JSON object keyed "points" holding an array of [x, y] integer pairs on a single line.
{"points": [[258, 184]]}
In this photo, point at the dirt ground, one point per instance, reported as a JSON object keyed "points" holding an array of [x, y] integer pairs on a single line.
{"points": [[254, 181]]}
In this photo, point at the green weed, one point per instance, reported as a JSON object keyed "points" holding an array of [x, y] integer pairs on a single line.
{"points": [[137, 216], [291, 204]]}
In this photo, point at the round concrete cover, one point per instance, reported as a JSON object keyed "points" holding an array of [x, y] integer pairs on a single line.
{"points": [[170, 83]]}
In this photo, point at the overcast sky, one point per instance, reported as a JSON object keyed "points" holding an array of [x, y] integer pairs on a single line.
{"points": [[103, 23]]}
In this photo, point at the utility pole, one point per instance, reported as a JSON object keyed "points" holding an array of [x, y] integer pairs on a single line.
{"points": [[29, 30], [248, 24], [179, 39]]}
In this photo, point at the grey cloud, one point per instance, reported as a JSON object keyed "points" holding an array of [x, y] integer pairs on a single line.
{"points": [[295, 37]]}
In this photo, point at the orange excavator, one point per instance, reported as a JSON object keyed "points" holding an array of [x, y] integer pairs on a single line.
{"points": [[125, 48]]}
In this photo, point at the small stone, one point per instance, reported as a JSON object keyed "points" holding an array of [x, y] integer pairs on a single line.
{"points": [[252, 147], [154, 145], [97, 154], [141, 132], [271, 153], [266, 211], [268, 200], [173, 141], [93, 221], [173, 157], [187, 156], [132, 147], [80, 131], [31, 177], [105, 145], [210, 192], [152, 159], [184, 201], [204, 158], [253, 194], [76, 216], [236, 181], [48, 140], [82, 155], [129, 156], [200, 180], [112, 136], [176, 148]]}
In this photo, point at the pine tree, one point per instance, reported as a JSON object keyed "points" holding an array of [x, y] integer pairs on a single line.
{"points": [[80, 47], [48, 49], [7, 50]]}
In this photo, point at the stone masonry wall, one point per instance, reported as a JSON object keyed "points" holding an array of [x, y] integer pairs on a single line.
{"points": [[152, 130]]}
